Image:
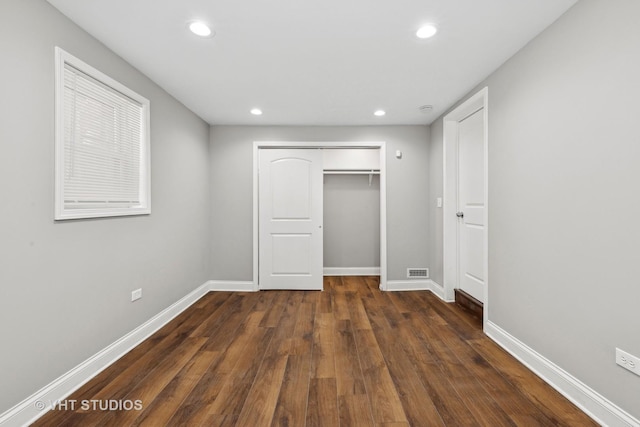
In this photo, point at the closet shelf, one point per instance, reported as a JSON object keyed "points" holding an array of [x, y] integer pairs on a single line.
{"points": [[351, 171], [370, 172]]}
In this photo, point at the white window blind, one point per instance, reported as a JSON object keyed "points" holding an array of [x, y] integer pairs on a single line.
{"points": [[101, 146]]}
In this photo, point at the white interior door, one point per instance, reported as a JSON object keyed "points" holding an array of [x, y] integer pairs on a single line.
{"points": [[471, 208], [290, 219]]}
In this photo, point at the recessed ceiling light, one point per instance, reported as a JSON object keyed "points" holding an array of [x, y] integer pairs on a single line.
{"points": [[199, 28], [379, 113], [426, 31], [256, 112]]}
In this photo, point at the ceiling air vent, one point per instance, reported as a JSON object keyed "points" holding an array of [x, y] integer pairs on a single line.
{"points": [[417, 273]]}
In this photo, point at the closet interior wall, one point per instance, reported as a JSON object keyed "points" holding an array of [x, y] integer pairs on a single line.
{"points": [[351, 211]]}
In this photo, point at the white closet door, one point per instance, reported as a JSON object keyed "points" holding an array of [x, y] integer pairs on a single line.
{"points": [[471, 205], [290, 219]]}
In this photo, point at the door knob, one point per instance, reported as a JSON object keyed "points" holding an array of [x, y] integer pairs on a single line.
{"points": [[460, 214]]}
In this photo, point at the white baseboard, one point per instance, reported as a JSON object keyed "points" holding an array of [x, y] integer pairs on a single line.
{"points": [[417, 285], [232, 286], [26, 412], [409, 285], [591, 402], [438, 290], [351, 271]]}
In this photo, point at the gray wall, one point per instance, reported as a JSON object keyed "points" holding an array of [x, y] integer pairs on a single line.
{"points": [[564, 156], [351, 222], [65, 287], [436, 162], [232, 191]]}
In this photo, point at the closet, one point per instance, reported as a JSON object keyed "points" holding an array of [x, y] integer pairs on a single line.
{"points": [[351, 211], [319, 209]]}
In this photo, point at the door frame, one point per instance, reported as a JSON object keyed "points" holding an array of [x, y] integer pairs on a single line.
{"points": [[479, 100], [257, 145]]}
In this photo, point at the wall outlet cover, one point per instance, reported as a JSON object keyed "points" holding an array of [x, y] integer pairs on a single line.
{"points": [[628, 361]]}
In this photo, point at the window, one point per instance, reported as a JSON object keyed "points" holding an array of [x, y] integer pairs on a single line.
{"points": [[102, 144]]}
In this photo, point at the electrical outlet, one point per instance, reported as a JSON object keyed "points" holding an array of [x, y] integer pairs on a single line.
{"points": [[628, 361], [137, 294]]}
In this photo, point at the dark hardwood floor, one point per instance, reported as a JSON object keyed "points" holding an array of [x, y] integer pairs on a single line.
{"points": [[348, 356]]}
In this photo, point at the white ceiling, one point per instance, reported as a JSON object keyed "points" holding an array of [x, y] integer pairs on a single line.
{"points": [[315, 62]]}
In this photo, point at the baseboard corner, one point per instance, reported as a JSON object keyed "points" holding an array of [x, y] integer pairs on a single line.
{"points": [[438, 290]]}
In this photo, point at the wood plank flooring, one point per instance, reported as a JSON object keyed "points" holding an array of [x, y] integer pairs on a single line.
{"points": [[348, 356]]}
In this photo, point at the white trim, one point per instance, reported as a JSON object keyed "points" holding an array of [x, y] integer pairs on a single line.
{"points": [[480, 100], [438, 291], [584, 397], [232, 286], [256, 212], [351, 271], [416, 285], [408, 285], [325, 144], [25, 412], [383, 216]]}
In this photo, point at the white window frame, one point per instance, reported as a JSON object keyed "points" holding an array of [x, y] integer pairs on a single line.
{"points": [[62, 212]]}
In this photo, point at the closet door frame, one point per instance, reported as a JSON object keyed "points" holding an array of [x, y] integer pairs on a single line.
{"points": [[381, 145]]}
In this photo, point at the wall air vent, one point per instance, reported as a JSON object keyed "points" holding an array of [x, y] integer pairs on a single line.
{"points": [[417, 273]]}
